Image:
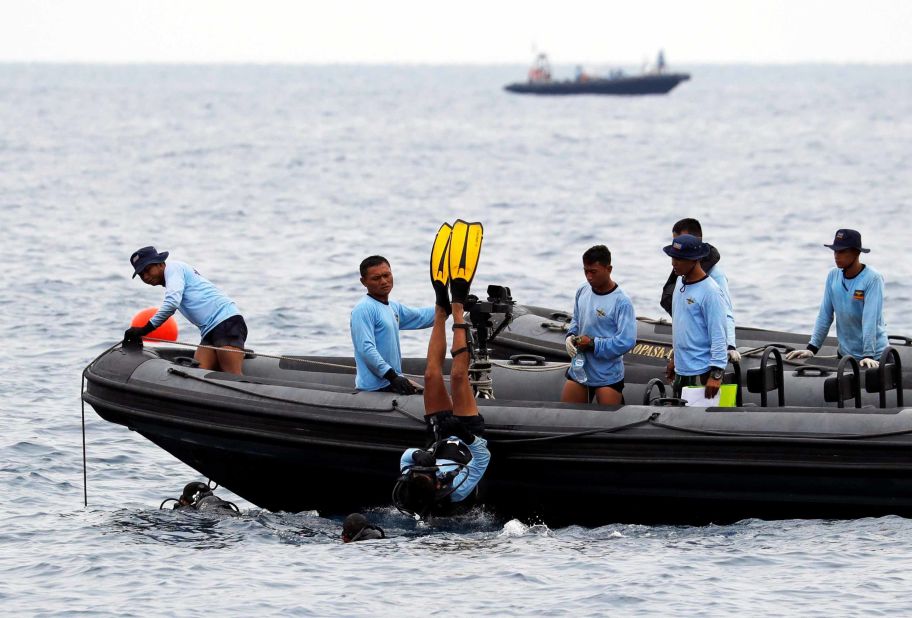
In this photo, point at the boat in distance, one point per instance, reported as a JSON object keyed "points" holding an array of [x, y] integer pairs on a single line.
{"points": [[540, 81], [625, 85]]}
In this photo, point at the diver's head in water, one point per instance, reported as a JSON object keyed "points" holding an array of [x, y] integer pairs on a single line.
{"points": [[415, 492], [356, 527], [193, 492]]}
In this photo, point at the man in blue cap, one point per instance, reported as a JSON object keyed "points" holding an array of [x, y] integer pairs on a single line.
{"points": [[216, 315], [854, 293], [699, 323]]}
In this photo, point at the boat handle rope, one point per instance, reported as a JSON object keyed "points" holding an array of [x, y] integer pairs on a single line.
{"points": [[82, 381], [293, 359], [184, 374]]}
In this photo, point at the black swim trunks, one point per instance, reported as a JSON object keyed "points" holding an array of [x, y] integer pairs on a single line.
{"points": [[230, 331], [590, 389]]}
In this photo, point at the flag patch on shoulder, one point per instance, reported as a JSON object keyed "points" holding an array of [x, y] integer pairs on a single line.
{"points": [[858, 295]]}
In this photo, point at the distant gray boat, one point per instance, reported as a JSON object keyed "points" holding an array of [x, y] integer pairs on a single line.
{"points": [[627, 85], [540, 82]]}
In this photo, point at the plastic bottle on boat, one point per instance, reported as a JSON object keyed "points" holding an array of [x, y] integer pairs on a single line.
{"points": [[578, 368]]}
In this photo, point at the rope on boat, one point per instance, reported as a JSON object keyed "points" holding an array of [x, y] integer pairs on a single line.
{"points": [[326, 406], [294, 359]]}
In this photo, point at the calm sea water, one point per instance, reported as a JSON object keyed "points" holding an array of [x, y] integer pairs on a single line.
{"points": [[275, 182]]}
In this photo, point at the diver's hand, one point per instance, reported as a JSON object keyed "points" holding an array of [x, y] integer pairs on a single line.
{"points": [[571, 347], [734, 356], [712, 387], [452, 426], [670, 369], [798, 354], [869, 363], [400, 384]]}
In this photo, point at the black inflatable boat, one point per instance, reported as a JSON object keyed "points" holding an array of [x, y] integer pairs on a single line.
{"points": [[292, 434]]}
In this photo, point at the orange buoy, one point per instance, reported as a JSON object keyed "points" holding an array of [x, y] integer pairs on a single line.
{"points": [[167, 331]]}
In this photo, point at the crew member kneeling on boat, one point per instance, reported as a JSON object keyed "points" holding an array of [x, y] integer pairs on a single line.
{"points": [[604, 329], [698, 325], [375, 324], [187, 291], [854, 292], [443, 479]]}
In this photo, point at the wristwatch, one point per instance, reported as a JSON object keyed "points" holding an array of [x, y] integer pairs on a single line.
{"points": [[716, 374]]}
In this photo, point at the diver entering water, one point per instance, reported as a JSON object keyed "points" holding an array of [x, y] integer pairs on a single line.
{"points": [[443, 479], [200, 497]]}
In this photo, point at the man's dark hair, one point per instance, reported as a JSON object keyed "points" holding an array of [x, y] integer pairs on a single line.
{"points": [[691, 226], [597, 254], [371, 261]]}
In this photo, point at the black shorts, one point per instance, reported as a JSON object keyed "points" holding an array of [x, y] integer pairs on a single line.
{"points": [[230, 331], [590, 390]]}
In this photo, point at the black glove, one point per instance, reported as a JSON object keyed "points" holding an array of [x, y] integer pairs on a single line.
{"points": [[401, 385], [136, 333], [454, 427]]}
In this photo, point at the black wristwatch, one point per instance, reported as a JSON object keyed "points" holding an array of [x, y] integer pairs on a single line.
{"points": [[716, 374]]}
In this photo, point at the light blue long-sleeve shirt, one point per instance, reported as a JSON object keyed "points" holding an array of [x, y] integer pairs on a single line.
{"points": [[698, 327], [375, 327], [467, 479], [195, 297], [718, 275], [611, 322], [858, 306]]}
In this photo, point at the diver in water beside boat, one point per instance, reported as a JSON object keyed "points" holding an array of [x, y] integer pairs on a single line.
{"points": [[698, 329], [199, 496], [356, 527], [710, 265], [220, 323], [854, 294], [375, 324], [603, 328], [443, 479]]}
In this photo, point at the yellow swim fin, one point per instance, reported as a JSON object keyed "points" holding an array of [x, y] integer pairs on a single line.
{"points": [[440, 266], [465, 247]]}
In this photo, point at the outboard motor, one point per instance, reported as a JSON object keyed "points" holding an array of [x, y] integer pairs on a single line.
{"points": [[499, 302], [200, 497]]}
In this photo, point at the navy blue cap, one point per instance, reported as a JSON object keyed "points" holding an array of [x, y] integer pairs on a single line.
{"points": [[145, 256], [847, 239], [687, 247]]}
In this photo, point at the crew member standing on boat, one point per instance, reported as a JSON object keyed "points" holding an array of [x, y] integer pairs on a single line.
{"points": [[443, 479], [854, 293], [710, 265], [375, 324], [604, 329], [698, 327], [216, 315]]}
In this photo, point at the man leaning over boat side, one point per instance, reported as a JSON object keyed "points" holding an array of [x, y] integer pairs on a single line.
{"points": [[221, 324], [603, 328], [698, 327], [375, 324], [710, 265], [854, 293]]}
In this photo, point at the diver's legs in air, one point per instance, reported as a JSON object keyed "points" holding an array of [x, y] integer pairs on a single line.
{"points": [[463, 396], [436, 398]]}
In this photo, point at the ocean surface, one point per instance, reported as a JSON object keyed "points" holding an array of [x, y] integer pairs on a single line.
{"points": [[275, 181]]}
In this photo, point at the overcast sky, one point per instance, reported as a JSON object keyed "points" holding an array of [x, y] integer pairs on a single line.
{"points": [[468, 31]]}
